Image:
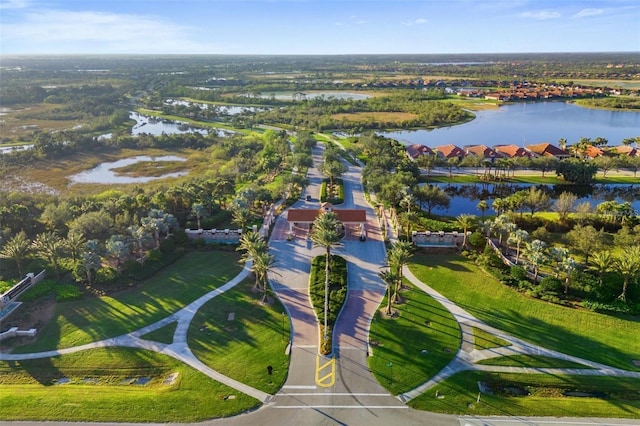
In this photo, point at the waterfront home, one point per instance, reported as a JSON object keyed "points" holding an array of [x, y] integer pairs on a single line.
{"points": [[547, 150]]}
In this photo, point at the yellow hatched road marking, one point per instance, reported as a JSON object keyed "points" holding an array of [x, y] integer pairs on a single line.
{"points": [[328, 379]]}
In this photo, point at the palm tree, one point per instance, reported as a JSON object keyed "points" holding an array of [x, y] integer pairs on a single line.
{"points": [[261, 265], [253, 246], [516, 238], [49, 246], [601, 263], [199, 210], [74, 243], [397, 258], [390, 279], [91, 259], [118, 249], [325, 234], [17, 248], [241, 216], [628, 264], [482, 206], [536, 254], [465, 221], [567, 265]]}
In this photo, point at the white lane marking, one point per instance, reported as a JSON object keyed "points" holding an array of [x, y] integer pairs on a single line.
{"points": [[371, 407], [334, 394], [299, 387]]}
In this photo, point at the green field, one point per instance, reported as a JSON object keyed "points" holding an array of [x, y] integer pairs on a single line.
{"points": [[398, 360], [88, 320], [601, 338], [101, 388]]}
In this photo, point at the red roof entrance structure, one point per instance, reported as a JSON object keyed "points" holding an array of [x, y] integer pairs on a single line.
{"points": [[309, 215]]}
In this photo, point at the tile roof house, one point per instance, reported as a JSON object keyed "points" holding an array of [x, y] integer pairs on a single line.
{"points": [[593, 151], [488, 154], [547, 150], [416, 150], [626, 150], [512, 151], [449, 151]]}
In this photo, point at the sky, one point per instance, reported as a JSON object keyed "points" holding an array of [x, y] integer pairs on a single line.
{"points": [[317, 27]]}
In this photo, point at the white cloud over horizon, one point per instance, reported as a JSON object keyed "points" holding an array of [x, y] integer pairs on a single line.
{"points": [[541, 15], [588, 12]]}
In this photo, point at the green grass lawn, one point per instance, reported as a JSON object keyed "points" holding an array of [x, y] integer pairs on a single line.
{"points": [[100, 389], [398, 362], [533, 361], [585, 334], [243, 347], [459, 394], [84, 321], [485, 340]]}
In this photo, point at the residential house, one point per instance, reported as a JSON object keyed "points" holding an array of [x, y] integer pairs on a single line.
{"points": [[483, 151], [547, 150], [626, 150], [593, 152], [416, 150], [512, 151], [450, 151]]}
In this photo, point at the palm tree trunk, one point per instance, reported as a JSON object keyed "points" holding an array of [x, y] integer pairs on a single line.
{"points": [[327, 271], [389, 300]]}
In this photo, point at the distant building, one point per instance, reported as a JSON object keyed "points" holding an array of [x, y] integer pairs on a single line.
{"points": [[450, 151], [483, 151]]}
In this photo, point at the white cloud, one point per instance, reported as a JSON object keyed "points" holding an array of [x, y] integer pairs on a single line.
{"points": [[588, 12], [13, 4], [53, 31], [541, 15], [419, 21]]}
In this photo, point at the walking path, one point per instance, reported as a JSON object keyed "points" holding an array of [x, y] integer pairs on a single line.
{"points": [[467, 356]]}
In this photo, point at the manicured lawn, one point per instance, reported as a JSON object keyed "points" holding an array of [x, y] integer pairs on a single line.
{"points": [[533, 361], [100, 389], [398, 361], [602, 338], [484, 340], [244, 346], [84, 321], [459, 395]]}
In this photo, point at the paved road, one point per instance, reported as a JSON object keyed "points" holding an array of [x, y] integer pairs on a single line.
{"points": [[340, 389]]}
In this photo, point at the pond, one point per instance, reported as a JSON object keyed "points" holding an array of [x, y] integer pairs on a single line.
{"points": [[6, 149], [530, 123], [104, 172], [220, 109], [289, 96], [465, 197], [156, 127]]}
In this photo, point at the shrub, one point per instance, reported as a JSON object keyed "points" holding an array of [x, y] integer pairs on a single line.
{"points": [[550, 285], [541, 234], [518, 272], [477, 239]]}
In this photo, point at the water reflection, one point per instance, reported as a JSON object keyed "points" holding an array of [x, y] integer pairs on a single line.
{"points": [[156, 127], [465, 197]]}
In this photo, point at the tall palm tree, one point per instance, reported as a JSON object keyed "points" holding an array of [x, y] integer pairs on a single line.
{"points": [[628, 264], [253, 246], [241, 216], [516, 238], [536, 254], [397, 258], [17, 248], [465, 221], [325, 234], [482, 206], [390, 279], [601, 263], [49, 246], [262, 264]]}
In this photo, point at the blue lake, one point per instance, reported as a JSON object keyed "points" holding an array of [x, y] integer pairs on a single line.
{"points": [[530, 123]]}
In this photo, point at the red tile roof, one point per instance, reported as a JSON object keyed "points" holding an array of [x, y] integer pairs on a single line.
{"points": [[416, 150], [512, 151], [344, 215], [546, 149], [627, 150], [450, 151], [482, 151]]}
